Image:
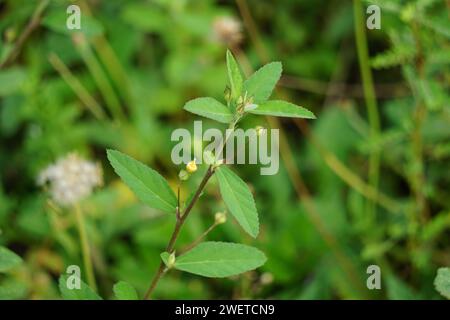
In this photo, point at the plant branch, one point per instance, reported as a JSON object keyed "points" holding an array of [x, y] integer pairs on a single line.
{"points": [[182, 218], [199, 239], [31, 26], [177, 229]]}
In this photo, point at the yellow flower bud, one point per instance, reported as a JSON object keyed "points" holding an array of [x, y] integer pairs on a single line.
{"points": [[220, 218], [191, 167]]}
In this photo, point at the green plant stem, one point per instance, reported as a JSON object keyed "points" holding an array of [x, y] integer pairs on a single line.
{"points": [[106, 89], [180, 221], [181, 218], [77, 87], [31, 26], [85, 249], [200, 238], [369, 96]]}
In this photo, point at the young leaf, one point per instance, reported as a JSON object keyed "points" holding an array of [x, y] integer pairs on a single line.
{"points": [[280, 108], [220, 259], [84, 293], [261, 84], [238, 199], [125, 291], [148, 185], [209, 108], [442, 282], [234, 75], [8, 259]]}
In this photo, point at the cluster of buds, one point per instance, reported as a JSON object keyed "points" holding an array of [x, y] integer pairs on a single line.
{"points": [[191, 167], [171, 260], [245, 104]]}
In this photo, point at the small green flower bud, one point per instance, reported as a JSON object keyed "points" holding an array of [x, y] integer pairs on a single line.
{"points": [[183, 175], [171, 260], [227, 94], [220, 218], [10, 35]]}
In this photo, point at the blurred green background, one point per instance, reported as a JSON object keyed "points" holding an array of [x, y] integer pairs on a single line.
{"points": [[121, 83]]}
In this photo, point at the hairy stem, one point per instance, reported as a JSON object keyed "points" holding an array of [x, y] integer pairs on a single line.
{"points": [[85, 249]]}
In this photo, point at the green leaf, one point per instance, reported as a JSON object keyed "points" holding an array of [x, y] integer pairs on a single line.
{"points": [[220, 259], [281, 108], [261, 84], [148, 185], [8, 259], [84, 293], [11, 80], [234, 75], [125, 291], [238, 199], [442, 282], [209, 108], [397, 289], [165, 257]]}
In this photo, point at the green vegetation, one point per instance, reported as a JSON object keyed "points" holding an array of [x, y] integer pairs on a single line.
{"points": [[366, 182]]}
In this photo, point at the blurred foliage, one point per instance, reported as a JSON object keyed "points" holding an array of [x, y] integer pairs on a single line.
{"points": [[121, 83]]}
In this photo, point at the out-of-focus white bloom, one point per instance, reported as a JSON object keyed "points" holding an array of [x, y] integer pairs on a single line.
{"points": [[228, 31], [266, 278], [71, 178]]}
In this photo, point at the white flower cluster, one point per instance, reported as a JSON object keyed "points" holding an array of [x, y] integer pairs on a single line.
{"points": [[71, 178], [227, 30]]}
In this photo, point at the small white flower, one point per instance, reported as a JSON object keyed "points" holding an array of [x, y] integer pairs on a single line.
{"points": [[227, 30], [71, 178]]}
